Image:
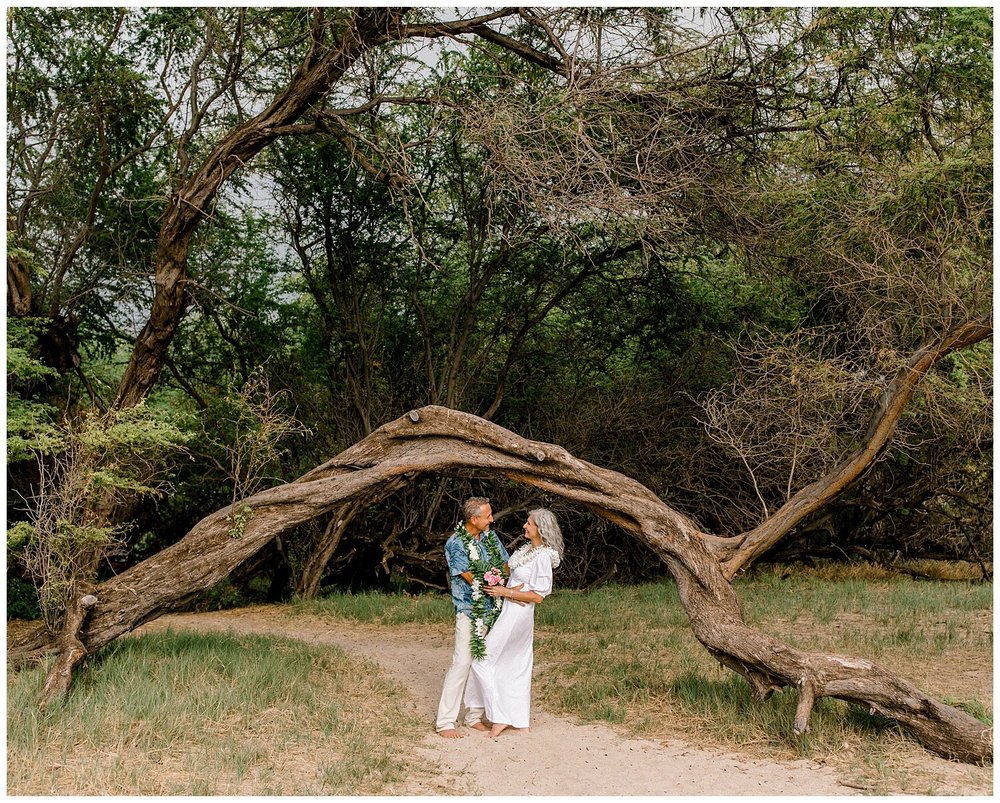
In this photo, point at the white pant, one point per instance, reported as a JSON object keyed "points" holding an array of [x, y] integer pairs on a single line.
{"points": [[456, 678]]}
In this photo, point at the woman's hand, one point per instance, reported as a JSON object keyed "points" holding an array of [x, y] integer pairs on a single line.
{"points": [[504, 592], [515, 594]]}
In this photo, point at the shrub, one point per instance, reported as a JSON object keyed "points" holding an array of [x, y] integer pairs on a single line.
{"points": [[22, 600]]}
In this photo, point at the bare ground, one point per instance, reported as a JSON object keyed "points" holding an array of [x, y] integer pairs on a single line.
{"points": [[556, 756]]}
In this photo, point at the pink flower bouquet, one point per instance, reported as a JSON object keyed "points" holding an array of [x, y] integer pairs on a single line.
{"points": [[493, 577]]}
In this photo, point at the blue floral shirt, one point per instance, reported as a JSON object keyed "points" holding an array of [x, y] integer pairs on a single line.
{"points": [[458, 562]]}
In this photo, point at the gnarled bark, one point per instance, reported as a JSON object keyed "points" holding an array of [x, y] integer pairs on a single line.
{"points": [[71, 655], [19, 299], [443, 441]]}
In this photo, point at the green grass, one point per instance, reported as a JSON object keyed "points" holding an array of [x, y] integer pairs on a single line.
{"points": [[376, 608], [625, 655], [876, 617], [180, 713]]}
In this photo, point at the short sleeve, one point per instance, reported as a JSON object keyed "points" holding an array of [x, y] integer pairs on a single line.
{"points": [[457, 557], [541, 575]]}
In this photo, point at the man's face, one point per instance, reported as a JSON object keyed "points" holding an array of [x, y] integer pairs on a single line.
{"points": [[482, 520]]}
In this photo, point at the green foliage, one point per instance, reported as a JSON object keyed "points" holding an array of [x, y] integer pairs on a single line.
{"points": [[239, 519], [587, 261], [18, 536], [248, 427], [30, 427], [30, 430], [22, 364], [107, 461], [22, 600], [220, 597], [76, 80]]}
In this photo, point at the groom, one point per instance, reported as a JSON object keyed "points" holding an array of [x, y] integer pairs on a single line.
{"points": [[478, 516]]}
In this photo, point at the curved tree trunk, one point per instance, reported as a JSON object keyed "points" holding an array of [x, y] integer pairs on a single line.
{"points": [[71, 653], [322, 67], [443, 441], [333, 50], [897, 394]]}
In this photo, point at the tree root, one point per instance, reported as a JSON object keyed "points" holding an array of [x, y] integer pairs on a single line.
{"points": [[60, 676], [807, 697]]}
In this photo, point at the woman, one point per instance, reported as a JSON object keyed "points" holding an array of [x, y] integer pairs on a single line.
{"points": [[501, 682]]}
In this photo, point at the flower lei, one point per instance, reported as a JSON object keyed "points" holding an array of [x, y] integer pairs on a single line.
{"points": [[527, 553], [480, 565]]}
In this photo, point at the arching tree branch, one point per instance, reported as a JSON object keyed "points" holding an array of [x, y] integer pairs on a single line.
{"points": [[322, 67], [442, 441], [883, 423]]}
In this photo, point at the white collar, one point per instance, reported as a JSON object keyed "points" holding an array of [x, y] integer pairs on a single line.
{"points": [[527, 553]]}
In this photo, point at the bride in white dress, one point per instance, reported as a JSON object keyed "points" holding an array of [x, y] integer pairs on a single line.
{"points": [[501, 682]]}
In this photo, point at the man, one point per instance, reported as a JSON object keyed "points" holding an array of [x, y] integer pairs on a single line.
{"points": [[478, 516]]}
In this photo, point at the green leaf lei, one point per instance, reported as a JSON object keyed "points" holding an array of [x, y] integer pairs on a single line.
{"points": [[483, 556]]}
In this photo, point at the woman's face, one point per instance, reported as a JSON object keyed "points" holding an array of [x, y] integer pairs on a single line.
{"points": [[531, 531]]}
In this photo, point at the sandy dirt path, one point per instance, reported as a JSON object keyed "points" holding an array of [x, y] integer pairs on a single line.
{"points": [[556, 756]]}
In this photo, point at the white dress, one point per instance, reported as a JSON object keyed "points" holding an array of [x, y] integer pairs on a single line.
{"points": [[501, 682]]}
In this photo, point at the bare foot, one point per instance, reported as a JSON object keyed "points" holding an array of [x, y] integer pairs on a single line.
{"points": [[497, 729], [451, 733], [479, 726]]}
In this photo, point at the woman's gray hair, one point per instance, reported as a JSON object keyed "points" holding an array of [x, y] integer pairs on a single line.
{"points": [[472, 506], [548, 528]]}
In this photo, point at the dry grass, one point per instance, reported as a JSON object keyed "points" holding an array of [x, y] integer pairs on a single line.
{"points": [[956, 570], [653, 678], [185, 714], [626, 656], [192, 714]]}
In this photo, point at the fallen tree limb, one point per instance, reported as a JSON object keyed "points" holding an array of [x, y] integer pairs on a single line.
{"points": [[442, 441]]}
